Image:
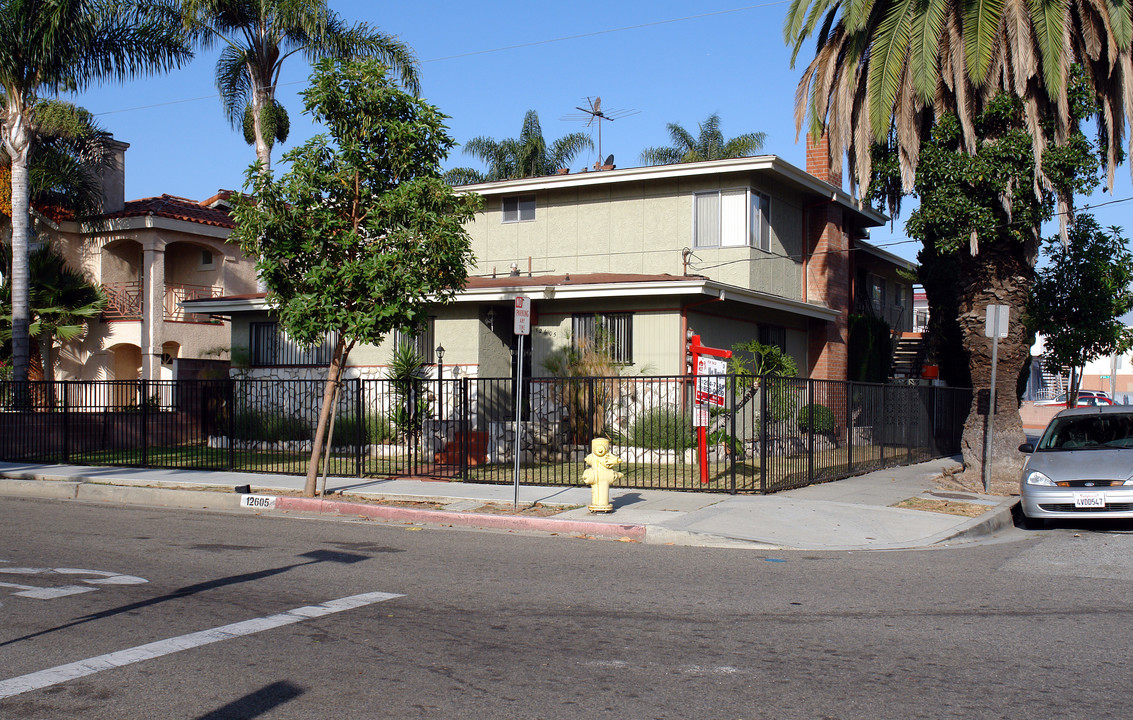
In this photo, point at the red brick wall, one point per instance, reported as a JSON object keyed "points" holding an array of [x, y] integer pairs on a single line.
{"points": [[818, 160], [828, 273]]}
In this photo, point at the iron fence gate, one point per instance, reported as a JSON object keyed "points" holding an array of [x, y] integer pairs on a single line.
{"points": [[771, 433]]}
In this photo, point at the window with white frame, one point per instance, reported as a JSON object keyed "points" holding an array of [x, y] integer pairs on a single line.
{"points": [[607, 333], [739, 217], [520, 208]]}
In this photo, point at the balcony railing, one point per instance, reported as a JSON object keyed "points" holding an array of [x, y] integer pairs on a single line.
{"points": [[176, 294], [125, 301]]}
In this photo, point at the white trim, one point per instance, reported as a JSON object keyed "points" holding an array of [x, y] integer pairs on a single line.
{"points": [[766, 163]]}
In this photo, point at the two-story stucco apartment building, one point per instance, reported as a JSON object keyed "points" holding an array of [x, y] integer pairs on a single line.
{"points": [[732, 250]]}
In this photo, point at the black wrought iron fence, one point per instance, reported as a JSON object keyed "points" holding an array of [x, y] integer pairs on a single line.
{"points": [[770, 433]]}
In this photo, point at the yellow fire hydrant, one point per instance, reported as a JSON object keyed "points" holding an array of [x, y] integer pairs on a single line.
{"points": [[600, 475]]}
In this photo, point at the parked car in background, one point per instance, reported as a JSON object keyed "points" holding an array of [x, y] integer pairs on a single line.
{"points": [[1081, 467], [1086, 398]]}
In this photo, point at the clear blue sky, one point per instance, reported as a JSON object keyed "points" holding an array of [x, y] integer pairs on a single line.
{"points": [[486, 64]]}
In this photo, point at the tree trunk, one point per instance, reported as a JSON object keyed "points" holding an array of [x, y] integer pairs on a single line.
{"points": [[263, 150], [17, 140], [994, 277], [337, 362]]}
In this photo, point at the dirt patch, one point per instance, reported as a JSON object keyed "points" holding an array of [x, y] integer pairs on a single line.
{"points": [[536, 510], [947, 507], [972, 481]]}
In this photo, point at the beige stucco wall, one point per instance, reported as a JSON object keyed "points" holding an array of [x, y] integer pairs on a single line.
{"points": [[642, 228], [159, 253]]}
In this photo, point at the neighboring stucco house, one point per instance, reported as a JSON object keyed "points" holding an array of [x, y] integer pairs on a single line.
{"points": [[149, 255], [732, 250]]}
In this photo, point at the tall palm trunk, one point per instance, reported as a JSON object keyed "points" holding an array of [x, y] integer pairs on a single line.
{"points": [[996, 276], [17, 141]]}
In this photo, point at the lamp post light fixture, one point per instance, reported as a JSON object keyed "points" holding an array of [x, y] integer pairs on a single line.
{"points": [[440, 382]]}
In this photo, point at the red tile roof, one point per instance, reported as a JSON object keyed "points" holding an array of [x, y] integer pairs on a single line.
{"points": [[179, 208]]}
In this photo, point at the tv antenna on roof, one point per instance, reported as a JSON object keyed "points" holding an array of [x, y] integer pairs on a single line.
{"points": [[594, 112]]}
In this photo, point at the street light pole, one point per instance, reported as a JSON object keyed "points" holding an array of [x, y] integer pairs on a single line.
{"points": [[440, 383]]}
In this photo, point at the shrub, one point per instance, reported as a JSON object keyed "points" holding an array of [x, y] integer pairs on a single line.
{"points": [[372, 430], [822, 416], [263, 426], [662, 428]]}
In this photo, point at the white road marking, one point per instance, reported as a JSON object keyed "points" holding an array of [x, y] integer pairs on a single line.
{"points": [[104, 577], [47, 593], [149, 651]]}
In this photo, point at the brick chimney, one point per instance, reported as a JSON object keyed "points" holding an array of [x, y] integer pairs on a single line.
{"points": [[828, 271], [818, 160]]}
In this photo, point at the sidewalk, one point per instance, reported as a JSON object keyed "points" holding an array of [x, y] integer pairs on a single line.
{"points": [[850, 514]]}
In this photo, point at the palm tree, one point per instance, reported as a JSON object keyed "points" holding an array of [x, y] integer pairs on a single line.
{"points": [[62, 302], [708, 145], [258, 35], [66, 43], [886, 72], [525, 156]]}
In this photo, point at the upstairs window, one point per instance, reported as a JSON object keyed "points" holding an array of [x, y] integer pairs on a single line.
{"points": [[270, 345], [732, 218], [606, 333], [520, 208]]}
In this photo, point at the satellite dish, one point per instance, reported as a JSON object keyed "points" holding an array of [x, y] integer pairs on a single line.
{"points": [[609, 160]]}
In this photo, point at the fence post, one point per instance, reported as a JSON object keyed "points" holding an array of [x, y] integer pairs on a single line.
{"points": [[362, 425], [465, 429], [849, 427], [810, 431], [66, 423], [764, 415], [144, 402], [732, 433], [231, 422]]}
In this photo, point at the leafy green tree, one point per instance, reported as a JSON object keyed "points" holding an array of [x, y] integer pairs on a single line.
{"points": [[66, 43], [362, 235], [525, 156], [1078, 299], [258, 35], [708, 145]]}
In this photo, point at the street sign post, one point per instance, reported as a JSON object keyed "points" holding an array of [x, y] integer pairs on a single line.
{"points": [[522, 327], [995, 328]]}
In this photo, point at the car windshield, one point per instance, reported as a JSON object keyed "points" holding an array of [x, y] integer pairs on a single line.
{"points": [[1089, 432]]}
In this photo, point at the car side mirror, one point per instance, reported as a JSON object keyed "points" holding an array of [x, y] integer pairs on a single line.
{"points": [[1026, 448]]}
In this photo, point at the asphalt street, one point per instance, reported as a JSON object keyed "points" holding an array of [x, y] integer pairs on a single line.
{"points": [[121, 612]]}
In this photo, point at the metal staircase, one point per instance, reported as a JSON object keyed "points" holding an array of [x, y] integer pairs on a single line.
{"points": [[908, 356]]}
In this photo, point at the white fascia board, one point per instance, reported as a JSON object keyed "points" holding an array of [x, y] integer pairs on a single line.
{"points": [[153, 222], [592, 291], [225, 306], [771, 163], [599, 291]]}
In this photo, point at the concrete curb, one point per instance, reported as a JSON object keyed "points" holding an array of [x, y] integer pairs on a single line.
{"points": [[465, 519]]}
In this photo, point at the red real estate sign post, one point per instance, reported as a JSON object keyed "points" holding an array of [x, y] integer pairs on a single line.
{"points": [[710, 373]]}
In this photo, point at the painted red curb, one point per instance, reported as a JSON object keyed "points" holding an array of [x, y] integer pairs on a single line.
{"points": [[441, 517]]}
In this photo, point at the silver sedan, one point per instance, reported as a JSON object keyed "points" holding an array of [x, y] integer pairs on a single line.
{"points": [[1082, 466]]}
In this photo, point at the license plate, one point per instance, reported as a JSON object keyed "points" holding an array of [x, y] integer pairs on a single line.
{"points": [[1089, 500]]}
